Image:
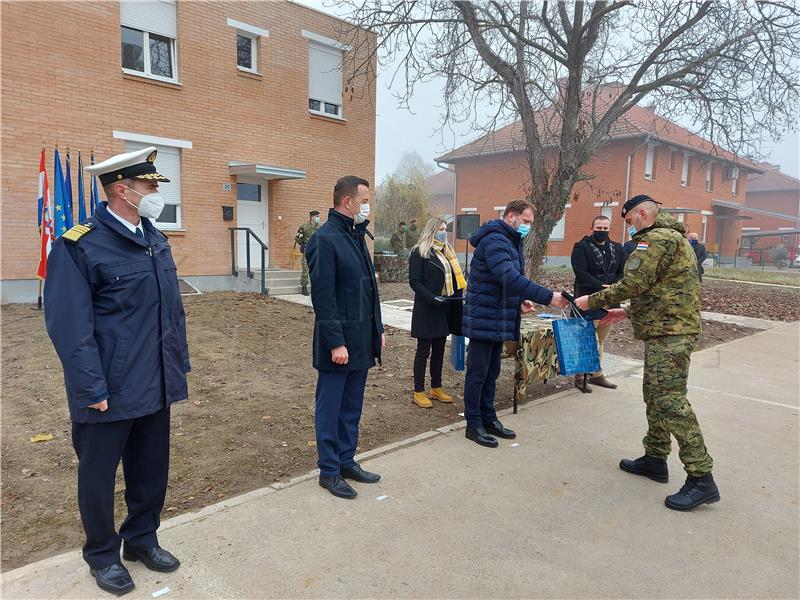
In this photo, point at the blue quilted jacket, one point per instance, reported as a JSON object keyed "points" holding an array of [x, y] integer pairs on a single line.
{"points": [[497, 284]]}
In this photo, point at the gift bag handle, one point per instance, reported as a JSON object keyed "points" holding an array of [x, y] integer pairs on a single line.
{"points": [[576, 311]]}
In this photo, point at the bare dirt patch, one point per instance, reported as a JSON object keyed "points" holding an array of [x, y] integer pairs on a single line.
{"points": [[248, 421]]}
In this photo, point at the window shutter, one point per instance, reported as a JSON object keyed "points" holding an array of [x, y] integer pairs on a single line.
{"points": [[153, 16], [324, 73], [558, 229], [168, 163]]}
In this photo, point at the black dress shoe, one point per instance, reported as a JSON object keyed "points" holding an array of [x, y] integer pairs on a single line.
{"points": [[155, 558], [479, 436], [114, 579], [337, 486], [496, 428], [356, 473]]}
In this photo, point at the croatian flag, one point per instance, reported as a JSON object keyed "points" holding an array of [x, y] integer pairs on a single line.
{"points": [[45, 222]]}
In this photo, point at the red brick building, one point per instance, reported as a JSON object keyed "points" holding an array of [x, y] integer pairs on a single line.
{"points": [[773, 203], [243, 99], [702, 185], [442, 188]]}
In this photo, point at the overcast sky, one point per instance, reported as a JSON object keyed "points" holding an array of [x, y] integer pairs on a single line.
{"points": [[400, 130]]}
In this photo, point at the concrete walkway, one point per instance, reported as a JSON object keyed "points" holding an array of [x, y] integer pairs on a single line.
{"points": [[547, 515], [397, 313]]}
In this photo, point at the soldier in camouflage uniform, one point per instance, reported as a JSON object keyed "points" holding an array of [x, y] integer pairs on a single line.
{"points": [[412, 235], [304, 233], [398, 239], [661, 281]]}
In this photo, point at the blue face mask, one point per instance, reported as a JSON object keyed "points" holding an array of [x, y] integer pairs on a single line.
{"points": [[523, 230], [631, 230], [440, 236]]}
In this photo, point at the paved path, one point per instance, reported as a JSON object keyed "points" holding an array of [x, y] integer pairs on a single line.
{"points": [[549, 515]]}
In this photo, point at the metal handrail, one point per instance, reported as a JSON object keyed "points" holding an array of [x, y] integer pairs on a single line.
{"points": [[264, 248]]}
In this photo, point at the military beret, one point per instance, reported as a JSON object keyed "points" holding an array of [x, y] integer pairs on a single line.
{"points": [[313, 213], [635, 201], [139, 164]]}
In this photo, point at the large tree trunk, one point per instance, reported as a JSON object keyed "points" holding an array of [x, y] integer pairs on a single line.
{"points": [[549, 210]]}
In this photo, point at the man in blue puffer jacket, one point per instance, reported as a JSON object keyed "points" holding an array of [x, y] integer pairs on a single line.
{"points": [[497, 294]]}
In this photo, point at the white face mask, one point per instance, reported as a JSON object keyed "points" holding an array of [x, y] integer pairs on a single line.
{"points": [[150, 206], [362, 214]]}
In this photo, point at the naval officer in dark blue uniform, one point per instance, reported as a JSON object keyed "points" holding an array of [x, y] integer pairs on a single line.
{"points": [[114, 313], [348, 332]]}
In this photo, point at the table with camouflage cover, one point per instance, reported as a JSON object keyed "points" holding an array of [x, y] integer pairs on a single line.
{"points": [[534, 355]]}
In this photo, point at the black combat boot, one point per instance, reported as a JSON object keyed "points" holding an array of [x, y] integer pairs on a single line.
{"points": [[648, 466], [696, 491], [304, 290]]}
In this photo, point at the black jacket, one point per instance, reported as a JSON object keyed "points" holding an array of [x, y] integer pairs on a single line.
{"points": [[344, 294], [114, 313], [590, 266], [431, 320], [700, 253]]}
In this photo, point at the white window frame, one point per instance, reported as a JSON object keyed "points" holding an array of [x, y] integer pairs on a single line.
{"points": [[253, 53], [710, 176], [687, 158], [650, 162], [139, 140], [735, 182], [560, 225], [254, 33], [333, 45], [705, 228], [146, 50]]}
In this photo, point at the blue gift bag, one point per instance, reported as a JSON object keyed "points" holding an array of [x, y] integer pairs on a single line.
{"points": [[457, 352], [576, 345]]}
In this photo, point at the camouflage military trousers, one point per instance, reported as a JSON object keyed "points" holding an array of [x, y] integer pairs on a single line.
{"points": [[666, 369], [304, 274]]}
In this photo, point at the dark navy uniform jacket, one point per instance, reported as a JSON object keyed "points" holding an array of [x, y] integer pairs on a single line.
{"points": [[344, 294], [114, 313]]}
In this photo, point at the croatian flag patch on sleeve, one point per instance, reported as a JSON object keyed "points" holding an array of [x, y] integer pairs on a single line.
{"points": [[642, 245]]}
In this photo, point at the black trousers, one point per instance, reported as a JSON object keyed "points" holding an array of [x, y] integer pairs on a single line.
{"points": [[433, 347], [143, 446], [483, 369]]}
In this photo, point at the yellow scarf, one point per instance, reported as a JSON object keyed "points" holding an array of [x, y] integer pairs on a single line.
{"points": [[449, 260]]}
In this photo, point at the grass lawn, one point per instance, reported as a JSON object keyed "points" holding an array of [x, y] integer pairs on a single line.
{"points": [[785, 277]]}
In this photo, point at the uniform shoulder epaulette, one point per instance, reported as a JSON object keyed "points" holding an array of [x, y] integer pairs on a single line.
{"points": [[78, 231]]}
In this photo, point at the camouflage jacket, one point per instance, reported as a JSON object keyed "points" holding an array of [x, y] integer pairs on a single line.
{"points": [[304, 233], [661, 282], [398, 241], [412, 237]]}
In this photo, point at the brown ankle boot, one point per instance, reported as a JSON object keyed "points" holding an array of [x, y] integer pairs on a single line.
{"points": [[602, 382], [579, 384]]}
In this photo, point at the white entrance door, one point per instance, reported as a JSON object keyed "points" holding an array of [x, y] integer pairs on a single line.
{"points": [[251, 211]]}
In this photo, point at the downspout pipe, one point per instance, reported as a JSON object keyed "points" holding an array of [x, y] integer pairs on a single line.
{"points": [[455, 191]]}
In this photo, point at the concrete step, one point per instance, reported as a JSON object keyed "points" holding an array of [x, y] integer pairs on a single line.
{"points": [[283, 290]]}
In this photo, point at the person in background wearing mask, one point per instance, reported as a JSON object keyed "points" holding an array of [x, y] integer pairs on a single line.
{"points": [[113, 311], [348, 332], [435, 275], [661, 282], [699, 252], [498, 292], [304, 233], [597, 262]]}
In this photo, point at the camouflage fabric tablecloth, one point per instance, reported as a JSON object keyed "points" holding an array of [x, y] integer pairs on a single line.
{"points": [[534, 355]]}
